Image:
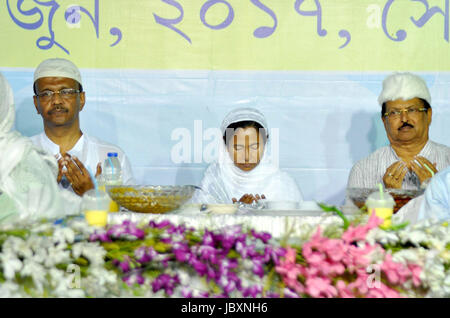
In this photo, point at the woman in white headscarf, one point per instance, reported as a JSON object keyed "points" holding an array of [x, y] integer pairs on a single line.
{"points": [[27, 175], [244, 171]]}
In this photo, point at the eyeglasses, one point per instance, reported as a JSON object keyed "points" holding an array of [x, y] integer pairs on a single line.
{"points": [[410, 111], [65, 93]]}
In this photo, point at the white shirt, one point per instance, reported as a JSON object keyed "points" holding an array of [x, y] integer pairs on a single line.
{"points": [[437, 198], [368, 172], [90, 151]]}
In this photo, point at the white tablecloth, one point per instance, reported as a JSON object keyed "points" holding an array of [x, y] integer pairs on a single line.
{"points": [[277, 223]]}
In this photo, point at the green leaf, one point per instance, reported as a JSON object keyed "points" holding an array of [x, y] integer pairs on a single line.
{"points": [[397, 227], [329, 208]]}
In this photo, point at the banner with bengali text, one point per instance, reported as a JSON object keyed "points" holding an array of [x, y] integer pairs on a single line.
{"points": [[155, 68]]}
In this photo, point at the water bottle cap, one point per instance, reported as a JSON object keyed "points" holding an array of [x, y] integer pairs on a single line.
{"points": [[112, 154]]}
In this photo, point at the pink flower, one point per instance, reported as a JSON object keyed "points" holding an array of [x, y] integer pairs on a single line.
{"points": [[356, 257], [332, 268], [382, 291], [320, 287], [415, 272], [396, 273], [360, 285], [315, 258], [291, 254], [359, 232], [343, 290], [335, 249]]}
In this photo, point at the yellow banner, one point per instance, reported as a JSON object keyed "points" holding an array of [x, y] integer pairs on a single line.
{"points": [[350, 35]]}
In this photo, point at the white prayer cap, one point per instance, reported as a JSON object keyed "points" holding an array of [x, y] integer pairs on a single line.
{"points": [[403, 86], [56, 67], [243, 114]]}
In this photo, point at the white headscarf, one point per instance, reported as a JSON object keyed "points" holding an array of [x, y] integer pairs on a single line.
{"points": [[12, 145], [27, 174], [223, 180]]}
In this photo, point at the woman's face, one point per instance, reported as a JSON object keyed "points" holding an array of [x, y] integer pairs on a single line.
{"points": [[246, 148]]}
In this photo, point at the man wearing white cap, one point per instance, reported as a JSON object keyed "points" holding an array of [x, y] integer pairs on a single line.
{"points": [[59, 98], [411, 158]]}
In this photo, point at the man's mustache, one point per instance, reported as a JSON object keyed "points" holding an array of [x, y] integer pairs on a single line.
{"points": [[405, 124], [57, 108]]}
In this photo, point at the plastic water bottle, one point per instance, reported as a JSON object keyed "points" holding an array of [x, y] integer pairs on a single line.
{"points": [[112, 170], [112, 175]]}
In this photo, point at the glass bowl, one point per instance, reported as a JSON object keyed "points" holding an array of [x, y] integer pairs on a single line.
{"points": [[151, 198], [401, 196]]}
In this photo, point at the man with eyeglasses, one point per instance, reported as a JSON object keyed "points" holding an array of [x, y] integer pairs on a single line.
{"points": [[411, 159], [59, 98]]}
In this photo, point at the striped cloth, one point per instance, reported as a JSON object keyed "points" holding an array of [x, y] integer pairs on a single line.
{"points": [[368, 172]]}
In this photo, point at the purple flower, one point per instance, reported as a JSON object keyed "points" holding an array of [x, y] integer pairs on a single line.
{"points": [[140, 234], [160, 225], [199, 267], [252, 291], [124, 266], [165, 262], [177, 230], [102, 236], [181, 251], [133, 279], [258, 268], [186, 293], [126, 228], [273, 253], [263, 236], [247, 251], [211, 273], [166, 282], [145, 254], [208, 238], [208, 253]]}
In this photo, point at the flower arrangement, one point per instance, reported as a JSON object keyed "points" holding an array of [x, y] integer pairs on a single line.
{"points": [[162, 259]]}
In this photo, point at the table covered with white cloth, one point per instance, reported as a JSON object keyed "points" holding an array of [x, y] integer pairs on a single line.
{"points": [[277, 223]]}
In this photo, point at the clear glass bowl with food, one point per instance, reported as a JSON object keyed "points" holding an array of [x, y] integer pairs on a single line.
{"points": [[156, 199]]}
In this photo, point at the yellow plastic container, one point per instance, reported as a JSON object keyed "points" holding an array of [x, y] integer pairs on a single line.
{"points": [[382, 204], [385, 214], [96, 217], [113, 206], [95, 206]]}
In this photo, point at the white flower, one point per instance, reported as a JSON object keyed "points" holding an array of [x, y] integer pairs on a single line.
{"points": [[11, 264], [92, 251], [183, 276], [103, 276], [247, 264], [446, 286], [57, 256], [10, 290], [17, 246], [415, 237], [383, 237], [445, 255], [36, 271], [407, 256], [63, 234]]}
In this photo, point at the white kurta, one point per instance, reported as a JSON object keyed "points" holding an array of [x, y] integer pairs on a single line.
{"points": [[90, 151], [223, 181], [368, 172]]}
